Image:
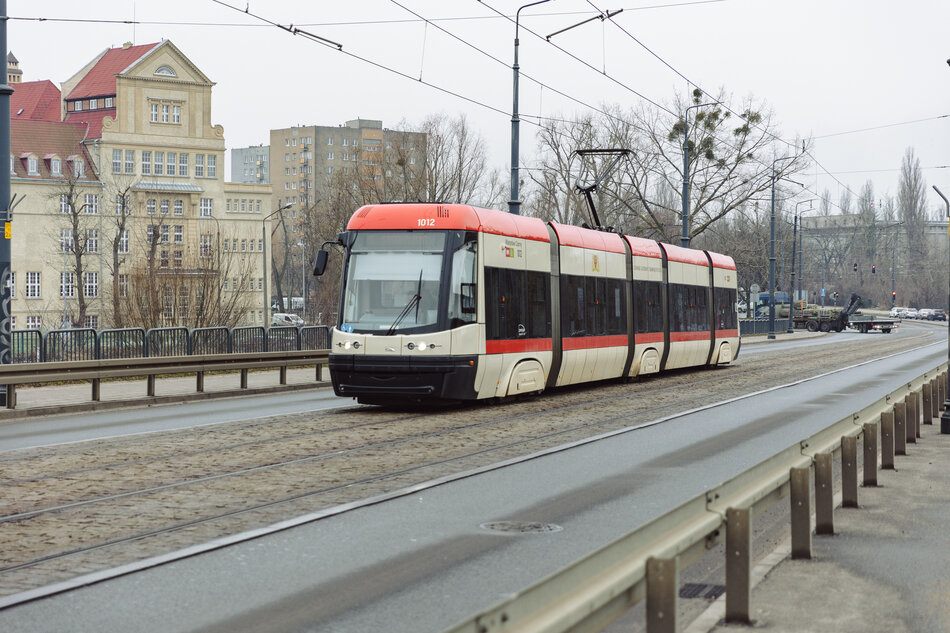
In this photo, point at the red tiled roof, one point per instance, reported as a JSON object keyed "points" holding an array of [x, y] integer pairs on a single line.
{"points": [[35, 100], [100, 80], [92, 118], [46, 138]]}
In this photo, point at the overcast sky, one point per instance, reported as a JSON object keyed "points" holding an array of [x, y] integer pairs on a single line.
{"points": [[825, 66]]}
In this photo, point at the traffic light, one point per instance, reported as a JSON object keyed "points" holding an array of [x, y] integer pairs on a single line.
{"points": [[855, 266], [873, 269]]}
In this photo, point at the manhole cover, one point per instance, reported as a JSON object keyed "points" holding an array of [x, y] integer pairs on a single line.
{"points": [[521, 527], [696, 590]]}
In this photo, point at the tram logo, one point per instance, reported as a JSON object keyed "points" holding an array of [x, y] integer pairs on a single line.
{"points": [[509, 252], [595, 264]]}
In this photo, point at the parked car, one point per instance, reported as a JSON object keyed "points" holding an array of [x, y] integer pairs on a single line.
{"points": [[284, 318], [910, 314], [937, 315], [924, 313], [896, 313]]}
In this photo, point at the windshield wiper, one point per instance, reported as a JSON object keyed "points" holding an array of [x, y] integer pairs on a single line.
{"points": [[414, 301]]}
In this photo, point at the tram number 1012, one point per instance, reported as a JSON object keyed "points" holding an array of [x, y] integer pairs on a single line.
{"points": [[426, 222]]}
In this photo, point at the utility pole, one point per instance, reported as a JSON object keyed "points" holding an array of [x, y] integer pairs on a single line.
{"points": [[5, 92], [684, 239]]}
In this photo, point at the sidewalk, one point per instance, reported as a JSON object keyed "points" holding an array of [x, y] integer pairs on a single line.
{"points": [[885, 570], [71, 398]]}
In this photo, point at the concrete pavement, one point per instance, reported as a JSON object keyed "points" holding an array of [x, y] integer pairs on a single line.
{"points": [[885, 570]]}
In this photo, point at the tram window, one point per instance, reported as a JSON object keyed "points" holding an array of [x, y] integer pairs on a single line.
{"points": [[725, 308], [688, 308], [647, 306], [462, 305], [518, 304], [573, 306], [616, 307]]}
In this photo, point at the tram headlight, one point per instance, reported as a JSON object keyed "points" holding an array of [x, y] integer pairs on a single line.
{"points": [[346, 345], [422, 347]]}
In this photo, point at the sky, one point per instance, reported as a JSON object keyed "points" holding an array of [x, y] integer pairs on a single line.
{"points": [[825, 67]]}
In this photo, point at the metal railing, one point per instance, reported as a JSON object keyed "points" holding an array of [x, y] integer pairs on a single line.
{"points": [[34, 346], [95, 370], [761, 326], [643, 564]]}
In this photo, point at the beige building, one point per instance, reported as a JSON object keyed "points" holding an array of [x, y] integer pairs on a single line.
{"points": [[126, 219]]}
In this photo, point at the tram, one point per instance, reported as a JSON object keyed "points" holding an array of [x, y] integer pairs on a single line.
{"points": [[449, 302]]}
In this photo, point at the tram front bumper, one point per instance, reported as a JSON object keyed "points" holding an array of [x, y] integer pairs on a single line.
{"points": [[409, 378]]}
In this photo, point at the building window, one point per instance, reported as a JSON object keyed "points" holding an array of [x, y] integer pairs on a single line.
{"points": [[92, 240], [179, 234], [243, 205], [77, 106], [258, 206], [226, 242], [205, 245], [92, 321], [176, 114], [183, 164], [67, 285], [165, 112], [33, 285], [33, 323], [260, 245], [150, 206], [329, 155], [226, 286], [212, 166], [66, 240], [177, 259], [11, 284], [110, 102], [117, 161], [170, 159], [179, 207], [243, 245], [207, 206], [91, 284], [227, 205], [32, 166], [150, 233], [64, 206], [165, 233], [91, 204], [163, 262], [160, 163], [199, 165], [330, 141], [124, 242], [123, 283], [154, 115], [130, 161], [146, 163], [165, 205]]}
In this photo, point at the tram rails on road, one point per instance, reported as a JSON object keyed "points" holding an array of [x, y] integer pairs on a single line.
{"points": [[95, 505], [451, 302]]}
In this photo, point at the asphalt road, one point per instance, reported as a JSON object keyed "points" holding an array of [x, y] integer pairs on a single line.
{"points": [[416, 562]]}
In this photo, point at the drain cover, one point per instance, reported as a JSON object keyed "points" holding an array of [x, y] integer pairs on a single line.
{"points": [[521, 527]]}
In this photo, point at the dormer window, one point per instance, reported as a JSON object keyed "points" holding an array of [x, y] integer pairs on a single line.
{"points": [[77, 106], [79, 168], [165, 71], [56, 166], [93, 104], [32, 165], [12, 165], [110, 102]]}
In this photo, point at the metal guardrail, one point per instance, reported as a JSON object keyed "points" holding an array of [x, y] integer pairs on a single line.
{"points": [[151, 367], [34, 346], [592, 592], [761, 326]]}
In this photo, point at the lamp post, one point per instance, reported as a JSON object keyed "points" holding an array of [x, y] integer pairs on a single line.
{"points": [[945, 416], [266, 239], [303, 281], [514, 205], [894, 263], [772, 253], [684, 239], [791, 323], [801, 247]]}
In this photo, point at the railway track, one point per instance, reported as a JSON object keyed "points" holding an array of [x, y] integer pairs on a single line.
{"points": [[85, 507]]}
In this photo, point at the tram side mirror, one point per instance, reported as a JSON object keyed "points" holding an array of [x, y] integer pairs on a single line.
{"points": [[468, 298], [320, 265]]}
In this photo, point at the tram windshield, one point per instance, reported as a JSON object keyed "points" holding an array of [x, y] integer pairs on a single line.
{"points": [[393, 281]]}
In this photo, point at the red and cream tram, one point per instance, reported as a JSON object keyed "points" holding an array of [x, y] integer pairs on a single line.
{"points": [[451, 302]]}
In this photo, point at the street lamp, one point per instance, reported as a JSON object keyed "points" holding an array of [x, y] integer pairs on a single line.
{"points": [[514, 205], [266, 239], [303, 281], [945, 416], [684, 239], [791, 323], [772, 253]]}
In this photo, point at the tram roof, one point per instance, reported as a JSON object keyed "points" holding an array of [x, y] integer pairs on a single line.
{"points": [[446, 217], [570, 235]]}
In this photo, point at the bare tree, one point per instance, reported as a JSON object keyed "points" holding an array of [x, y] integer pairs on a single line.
{"points": [[78, 239]]}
